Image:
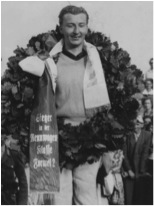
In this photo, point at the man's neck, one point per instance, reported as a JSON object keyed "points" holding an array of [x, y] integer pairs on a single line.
{"points": [[74, 50], [137, 133]]}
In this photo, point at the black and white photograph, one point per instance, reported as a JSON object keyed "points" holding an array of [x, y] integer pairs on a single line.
{"points": [[76, 102]]}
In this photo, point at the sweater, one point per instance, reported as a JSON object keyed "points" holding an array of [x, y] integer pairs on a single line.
{"points": [[69, 90]]}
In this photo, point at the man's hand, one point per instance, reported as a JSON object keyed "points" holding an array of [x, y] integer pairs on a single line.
{"points": [[107, 162], [124, 174], [131, 174], [42, 55]]}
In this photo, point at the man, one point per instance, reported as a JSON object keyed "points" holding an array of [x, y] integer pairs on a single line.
{"points": [[148, 104], [14, 189], [139, 98], [80, 90], [136, 153], [149, 73], [148, 91]]}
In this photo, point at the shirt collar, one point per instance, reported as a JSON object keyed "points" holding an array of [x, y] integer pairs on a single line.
{"points": [[72, 56], [59, 47], [137, 136]]}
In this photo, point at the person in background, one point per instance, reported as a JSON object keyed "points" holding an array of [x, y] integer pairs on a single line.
{"points": [[149, 73], [105, 179], [113, 188], [147, 104], [148, 182], [148, 91], [148, 124], [14, 188], [136, 153], [80, 91], [139, 97], [147, 121], [117, 197]]}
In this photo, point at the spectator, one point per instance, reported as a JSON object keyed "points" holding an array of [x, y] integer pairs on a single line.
{"points": [[149, 73], [105, 179], [150, 127], [118, 193], [116, 157], [136, 151], [148, 181], [148, 87], [147, 121], [14, 189], [139, 98], [147, 104]]}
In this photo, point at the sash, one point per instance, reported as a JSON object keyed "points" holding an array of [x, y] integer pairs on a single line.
{"points": [[44, 154]]}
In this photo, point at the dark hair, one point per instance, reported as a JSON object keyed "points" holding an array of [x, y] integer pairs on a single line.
{"points": [[72, 10], [147, 98], [149, 80], [150, 60]]}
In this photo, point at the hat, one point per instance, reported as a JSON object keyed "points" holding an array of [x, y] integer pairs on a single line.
{"points": [[140, 119]]}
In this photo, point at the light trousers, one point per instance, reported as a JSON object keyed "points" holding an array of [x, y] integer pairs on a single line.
{"points": [[78, 186]]}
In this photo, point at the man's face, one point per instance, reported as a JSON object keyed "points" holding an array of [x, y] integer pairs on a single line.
{"points": [[147, 104], [147, 120], [74, 29], [137, 126], [148, 85]]}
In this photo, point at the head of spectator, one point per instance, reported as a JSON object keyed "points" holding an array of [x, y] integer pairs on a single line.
{"points": [[139, 97], [138, 124], [147, 104], [148, 84], [151, 63], [147, 120]]}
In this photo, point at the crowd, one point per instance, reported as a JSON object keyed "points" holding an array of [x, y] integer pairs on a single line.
{"points": [[124, 176], [138, 151], [137, 166]]}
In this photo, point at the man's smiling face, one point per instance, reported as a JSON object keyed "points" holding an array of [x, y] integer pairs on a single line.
{"points": [[74, 29]]}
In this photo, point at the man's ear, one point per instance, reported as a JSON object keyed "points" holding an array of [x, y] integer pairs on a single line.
{"points": [[87, 29], [61, 29]]}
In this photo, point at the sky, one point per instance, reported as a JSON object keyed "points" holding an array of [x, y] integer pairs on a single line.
{"points": [[130, 23]]}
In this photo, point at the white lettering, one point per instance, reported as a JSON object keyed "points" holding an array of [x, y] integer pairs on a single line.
{"points": [[43, 138], [43, 118], [43, 163], [47, 150]]}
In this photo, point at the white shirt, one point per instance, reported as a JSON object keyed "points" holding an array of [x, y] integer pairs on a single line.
{"points": [[146, 92], [149, 74]]}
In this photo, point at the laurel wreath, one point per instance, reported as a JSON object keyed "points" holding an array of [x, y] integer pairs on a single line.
{"points": [[77, 144]]}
